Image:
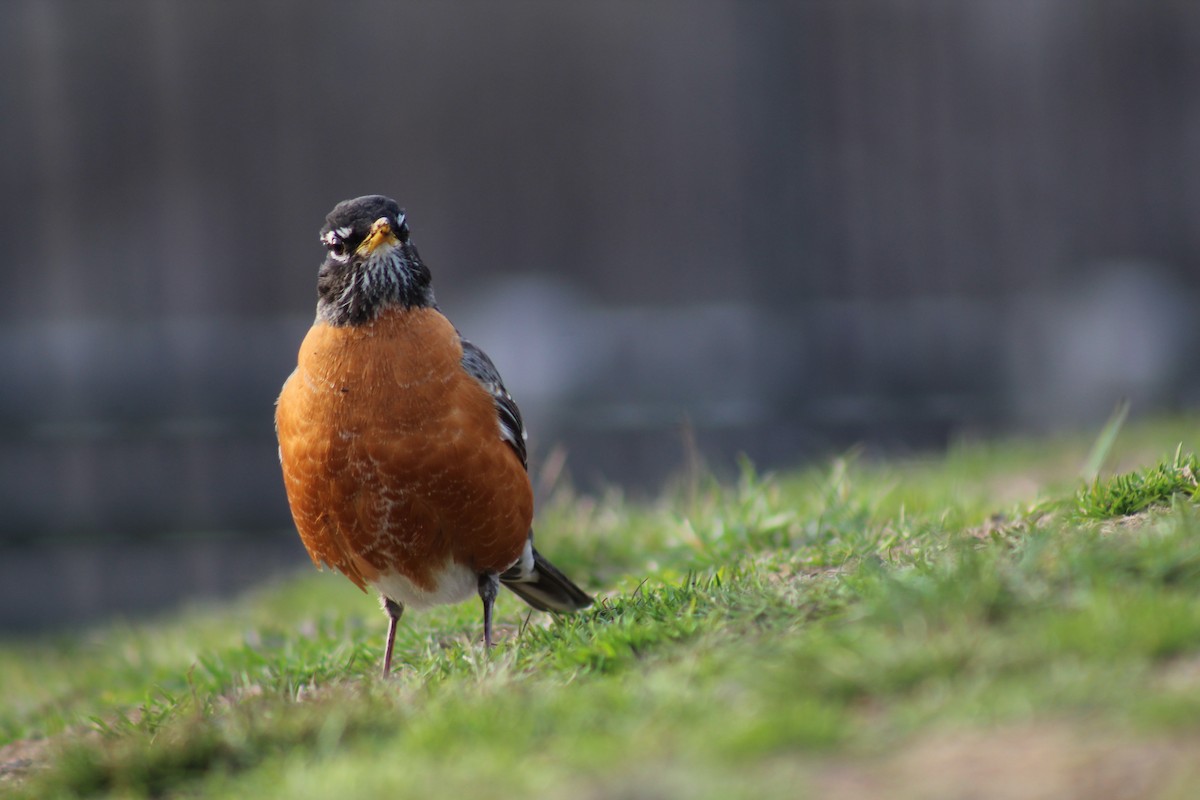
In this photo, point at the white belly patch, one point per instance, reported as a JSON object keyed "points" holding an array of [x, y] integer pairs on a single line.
{"points": [[453, 583]]}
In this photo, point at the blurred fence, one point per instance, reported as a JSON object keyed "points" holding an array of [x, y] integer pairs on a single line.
{"points": [[787, 225]]}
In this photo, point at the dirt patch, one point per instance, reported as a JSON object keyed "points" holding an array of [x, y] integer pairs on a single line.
{"points": [[1021, 763], [1131, 523], [18, 758]]}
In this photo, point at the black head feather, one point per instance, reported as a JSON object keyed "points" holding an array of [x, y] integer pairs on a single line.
{"points": [[359, 214], [355, 283]]}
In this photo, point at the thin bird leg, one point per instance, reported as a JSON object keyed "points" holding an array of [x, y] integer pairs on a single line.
{"points": [[393, 610], [489, 585]]}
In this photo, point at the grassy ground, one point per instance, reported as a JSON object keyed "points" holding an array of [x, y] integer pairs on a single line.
{"points": [[983, 624]]}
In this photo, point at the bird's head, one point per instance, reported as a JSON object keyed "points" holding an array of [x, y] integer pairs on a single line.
{"points": [[370, 263]]}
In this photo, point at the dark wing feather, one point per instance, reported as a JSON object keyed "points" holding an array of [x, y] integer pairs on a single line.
{"points": [[481, 368]]}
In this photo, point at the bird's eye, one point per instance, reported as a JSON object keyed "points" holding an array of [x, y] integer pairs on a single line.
{"points": [[335, 243]]}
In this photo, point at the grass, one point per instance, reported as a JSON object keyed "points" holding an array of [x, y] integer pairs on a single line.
{"points": [[1129, 493], [866, 628]]}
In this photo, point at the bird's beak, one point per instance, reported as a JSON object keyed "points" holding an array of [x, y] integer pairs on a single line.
{"points": [[381, 234]]}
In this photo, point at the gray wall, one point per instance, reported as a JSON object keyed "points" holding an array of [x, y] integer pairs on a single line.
{"points": [[789, 226]]}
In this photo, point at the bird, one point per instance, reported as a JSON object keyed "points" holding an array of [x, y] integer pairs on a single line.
{"points": [[403, 454]]}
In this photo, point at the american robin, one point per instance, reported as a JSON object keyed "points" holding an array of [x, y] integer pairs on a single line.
{"points": [[403, 454]]}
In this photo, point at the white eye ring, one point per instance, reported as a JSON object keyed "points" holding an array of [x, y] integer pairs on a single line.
{"points": [[335, 242]]}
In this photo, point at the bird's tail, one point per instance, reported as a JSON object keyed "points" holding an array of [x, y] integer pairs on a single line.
{"points": [[540, 584]]}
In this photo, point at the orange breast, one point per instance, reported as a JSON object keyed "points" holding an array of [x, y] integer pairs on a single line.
{"points": [[392, 456]]}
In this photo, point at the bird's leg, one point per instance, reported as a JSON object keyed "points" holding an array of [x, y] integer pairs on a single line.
{"points": [[393, 610], [489, 585]]}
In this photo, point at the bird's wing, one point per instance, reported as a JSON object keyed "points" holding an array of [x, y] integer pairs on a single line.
{"points": [[512, 428]]}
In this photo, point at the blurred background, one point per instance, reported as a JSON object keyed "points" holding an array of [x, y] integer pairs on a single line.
{"points": [[683, 229]]}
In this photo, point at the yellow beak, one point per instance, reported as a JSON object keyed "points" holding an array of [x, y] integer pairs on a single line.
{"points": [[381, 234]]}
